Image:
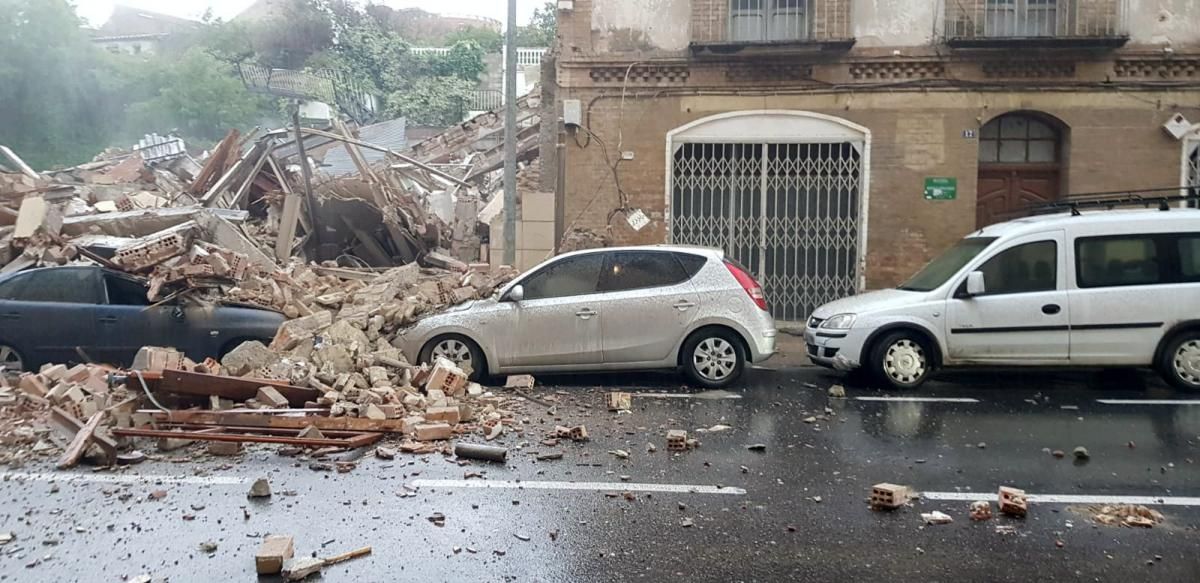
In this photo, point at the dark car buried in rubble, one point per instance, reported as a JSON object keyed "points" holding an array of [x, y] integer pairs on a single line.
{"points": [[51, 314]]}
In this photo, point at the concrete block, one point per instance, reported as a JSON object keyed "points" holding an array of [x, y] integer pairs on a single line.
{"points": [[1013, 502], [299, 568], [618, 401], [224, 448], [33, 384], [271, 397], [374, 412], [447, 378], [54, 372], [677, 440], [275, 549], [537, 207], [887, 496], [449, 415], [157, 359], [519, 382], [537, 235], [433, 431]]}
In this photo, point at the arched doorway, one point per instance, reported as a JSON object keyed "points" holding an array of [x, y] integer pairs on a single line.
{"points": [[1020, 164], [783, 192]]}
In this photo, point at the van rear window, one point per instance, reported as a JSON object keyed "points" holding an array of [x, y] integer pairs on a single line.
{"points": [[1119, 261]]}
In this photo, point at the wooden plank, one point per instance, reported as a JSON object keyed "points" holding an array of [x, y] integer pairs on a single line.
{"points": [[292, 422], [80, 443], [71, 426], [360, 440], [289, 218], [234, 388], [215, 164]]}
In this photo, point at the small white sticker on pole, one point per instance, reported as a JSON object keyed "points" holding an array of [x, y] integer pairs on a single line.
{"points": [[637, 219]]}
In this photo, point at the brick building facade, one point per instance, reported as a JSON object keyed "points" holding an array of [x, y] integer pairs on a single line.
{"points": [[801, 135]]}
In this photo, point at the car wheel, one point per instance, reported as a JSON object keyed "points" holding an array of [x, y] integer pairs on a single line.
{"points": [[902, 360], [460, 350], [1180, 361], [713, 358], [11, 359]]}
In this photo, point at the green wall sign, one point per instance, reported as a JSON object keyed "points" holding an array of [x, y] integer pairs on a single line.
{"points": [[941, 188]]}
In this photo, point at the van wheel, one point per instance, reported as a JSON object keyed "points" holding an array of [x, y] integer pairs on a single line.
{"points": [[902, 360], [713, 358], [460, 350], [1179, 364]]}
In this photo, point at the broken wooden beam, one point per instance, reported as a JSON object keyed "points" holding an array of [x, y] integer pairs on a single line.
{"points": [[79, 445], [351, 440], [70, 427], [275, 421], [234, 388]]}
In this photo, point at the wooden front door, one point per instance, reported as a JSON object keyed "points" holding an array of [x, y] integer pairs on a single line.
{"points": [[1007, 192]]}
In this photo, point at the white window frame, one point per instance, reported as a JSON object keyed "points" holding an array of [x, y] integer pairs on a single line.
{"points": [[1190, 148]]}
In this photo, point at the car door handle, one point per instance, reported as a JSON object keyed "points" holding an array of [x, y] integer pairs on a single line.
{"points": [[1051, 309], [684, 305], [11, 316], [585, 313], [108, 319]]}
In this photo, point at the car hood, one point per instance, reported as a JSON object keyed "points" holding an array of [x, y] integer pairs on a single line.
{"points": [[869, 302]]}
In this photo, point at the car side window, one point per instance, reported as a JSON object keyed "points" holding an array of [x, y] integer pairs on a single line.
{"points": [[1118, 261], [66, 286], [692, 264], [1189, 256], [125, 292], [10, 289], [630, 270], [575, 276], [1032, 267]]}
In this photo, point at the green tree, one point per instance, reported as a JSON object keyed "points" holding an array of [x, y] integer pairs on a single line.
{"points": [[196, 96], [490, 40], [542, 29], [53, 108], [435, 101]]}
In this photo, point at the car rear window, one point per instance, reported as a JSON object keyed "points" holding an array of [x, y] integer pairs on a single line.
{"points": [[1189, 256], [692, 264], [630, 270]]}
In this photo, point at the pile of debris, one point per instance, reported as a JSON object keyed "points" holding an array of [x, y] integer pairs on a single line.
{"points": [[1129, 515]]}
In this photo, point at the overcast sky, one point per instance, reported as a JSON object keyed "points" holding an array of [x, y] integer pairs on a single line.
{"points": [[97, 11]]}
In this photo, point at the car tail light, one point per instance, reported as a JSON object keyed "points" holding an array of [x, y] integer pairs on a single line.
{"points": [[747, 282]]}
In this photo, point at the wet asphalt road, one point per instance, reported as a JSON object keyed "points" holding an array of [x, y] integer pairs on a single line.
{"points": [[776, 530]]}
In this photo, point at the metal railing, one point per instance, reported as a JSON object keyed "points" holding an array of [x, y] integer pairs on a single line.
{"points": [[439, 51], [485, 100], [325, 85], [767, 21], [530, 56], [987, 19]]}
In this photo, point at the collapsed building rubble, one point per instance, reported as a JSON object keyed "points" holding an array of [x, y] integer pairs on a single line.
{"points": [[350, 260]]}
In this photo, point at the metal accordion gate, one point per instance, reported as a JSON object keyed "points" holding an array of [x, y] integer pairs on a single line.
{"points": [[791, 213]]}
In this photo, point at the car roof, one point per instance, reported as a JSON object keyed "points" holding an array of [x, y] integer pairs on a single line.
{"points": [[1126, 219], [693, 249]]}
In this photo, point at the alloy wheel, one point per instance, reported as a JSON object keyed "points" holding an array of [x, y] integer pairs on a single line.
{"points": [[904, 361], [715, 359], [10, 359], [1187, 362], [455, 351]]}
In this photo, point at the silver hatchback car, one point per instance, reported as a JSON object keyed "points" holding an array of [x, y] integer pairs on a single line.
{"points": [[612, 309]]}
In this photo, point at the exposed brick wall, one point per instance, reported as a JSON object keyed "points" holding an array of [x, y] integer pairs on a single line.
{"points": [[914, 136]]}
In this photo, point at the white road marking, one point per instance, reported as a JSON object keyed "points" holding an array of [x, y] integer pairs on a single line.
{"points": [[124, 479], [919, 399], [1148, 401], [593, 486], [1071, 498], [686, 396]]}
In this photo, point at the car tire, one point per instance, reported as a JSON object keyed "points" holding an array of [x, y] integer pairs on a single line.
{"points": [[11, 359], [1179, 362], [901, 360], [460, 350], [713, 358]]}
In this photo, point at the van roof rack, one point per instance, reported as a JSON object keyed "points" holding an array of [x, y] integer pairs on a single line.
{"points": [[1145, 198]]}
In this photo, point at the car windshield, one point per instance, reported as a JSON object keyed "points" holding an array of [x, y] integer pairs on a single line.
{"points": [[947, 264]]}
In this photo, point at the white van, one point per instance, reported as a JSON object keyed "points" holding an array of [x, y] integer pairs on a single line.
{"points": [[1115, 288]]}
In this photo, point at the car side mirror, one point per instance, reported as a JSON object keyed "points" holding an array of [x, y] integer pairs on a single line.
{"points": [[975, 284], [517, 293], [177, 313]]}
